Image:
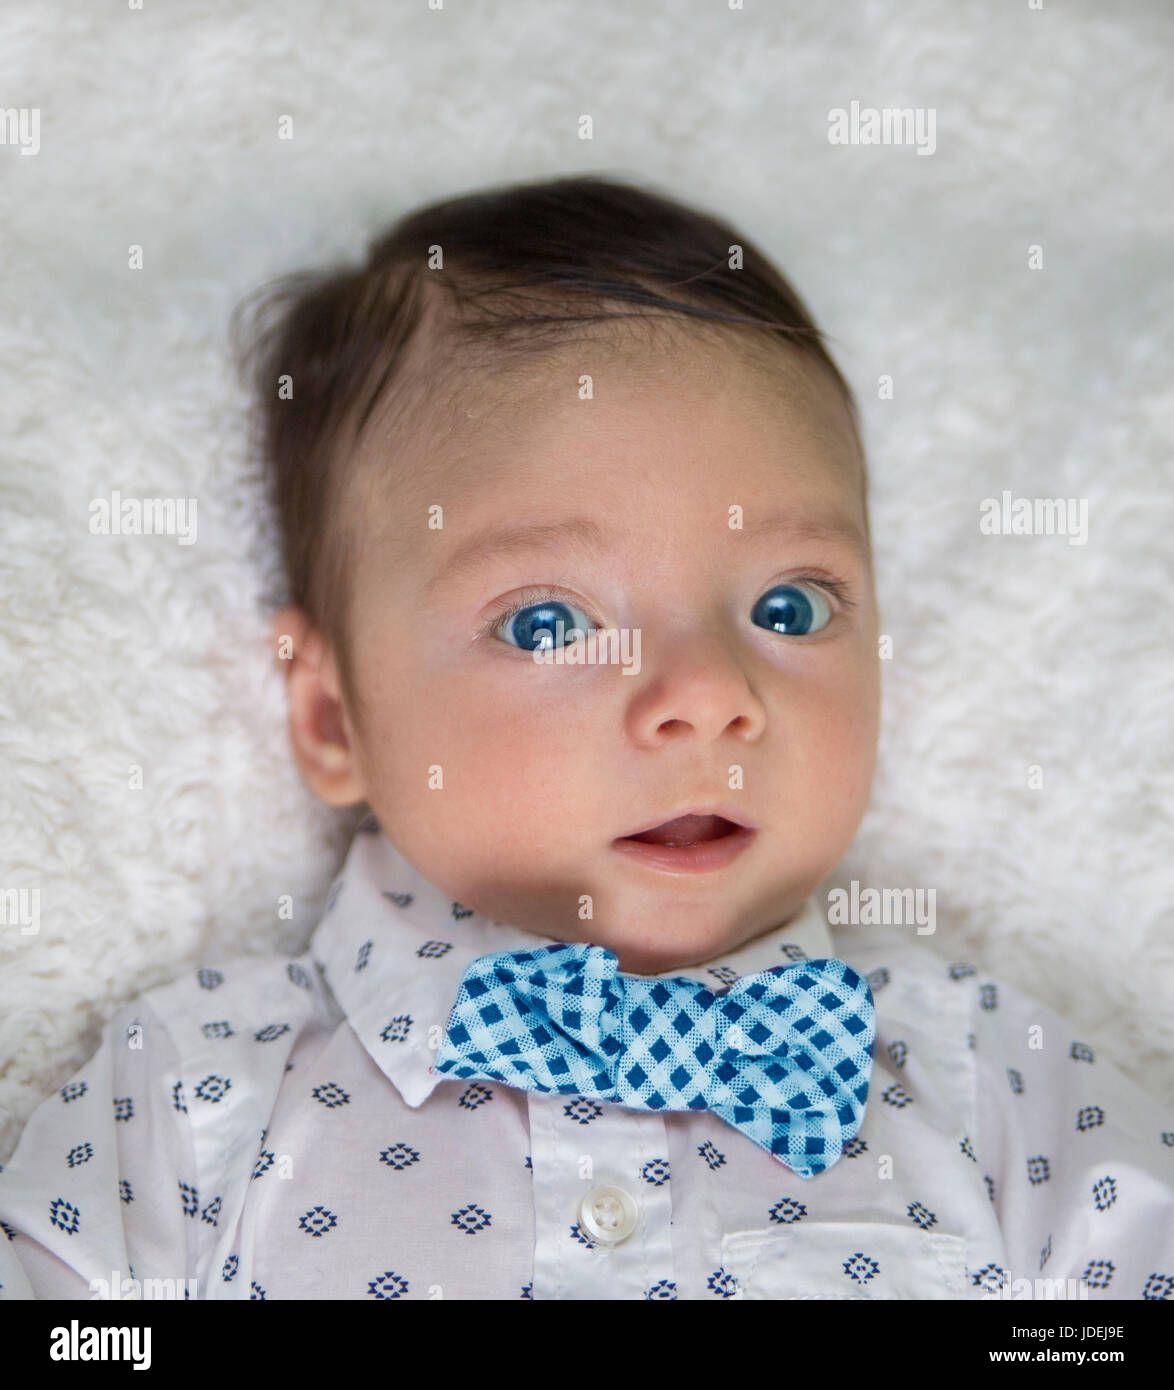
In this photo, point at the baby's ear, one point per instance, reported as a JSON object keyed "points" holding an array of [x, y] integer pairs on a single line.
{"points": [[319, 731]]}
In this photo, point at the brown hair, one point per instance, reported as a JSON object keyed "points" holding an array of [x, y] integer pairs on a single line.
{"points": [[351, 337]]}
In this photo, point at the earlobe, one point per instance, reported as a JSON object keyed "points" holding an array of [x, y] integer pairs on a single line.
{"points": [[319, 731]]}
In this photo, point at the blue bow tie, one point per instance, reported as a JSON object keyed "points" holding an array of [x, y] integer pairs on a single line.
{"points": [[785, 1055]]}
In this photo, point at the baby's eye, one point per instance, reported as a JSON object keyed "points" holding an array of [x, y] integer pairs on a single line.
{"points": [[550, 623], [792, 609]]}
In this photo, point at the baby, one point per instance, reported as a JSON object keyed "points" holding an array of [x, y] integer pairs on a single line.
{"points": [[574, 513]]}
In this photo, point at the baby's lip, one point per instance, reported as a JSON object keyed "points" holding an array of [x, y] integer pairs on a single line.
{"points": [[703, 832]]}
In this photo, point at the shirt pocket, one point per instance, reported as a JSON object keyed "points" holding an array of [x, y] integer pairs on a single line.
{"points": [[846, 1259]]}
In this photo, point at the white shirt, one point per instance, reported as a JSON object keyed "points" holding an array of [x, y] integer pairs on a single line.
{"points": [[271, 1129]]}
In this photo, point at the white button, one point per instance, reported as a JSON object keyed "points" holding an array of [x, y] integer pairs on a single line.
{"points": [[607, 1215]]}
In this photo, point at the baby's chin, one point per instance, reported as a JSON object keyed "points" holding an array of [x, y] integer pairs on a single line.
{"points": [[662, 924], [638, 961], [654, 951], [652, 939], [647, 942]]}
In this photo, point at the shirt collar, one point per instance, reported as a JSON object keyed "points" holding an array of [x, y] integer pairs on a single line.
{"points": [[393, 949]]}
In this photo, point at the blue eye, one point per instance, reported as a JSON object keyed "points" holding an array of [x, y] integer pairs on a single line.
{"points": [[792, 609], [537, 625]]}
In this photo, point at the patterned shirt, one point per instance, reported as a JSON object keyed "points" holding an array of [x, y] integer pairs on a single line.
{"points": [[271, 1128]]}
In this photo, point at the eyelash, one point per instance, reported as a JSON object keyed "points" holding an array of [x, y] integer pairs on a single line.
{"points": [[835, 587]]}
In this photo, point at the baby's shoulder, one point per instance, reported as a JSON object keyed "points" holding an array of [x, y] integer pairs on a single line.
{"points": [[913, 980], [888, 956], [258, 999], [941, 993]]}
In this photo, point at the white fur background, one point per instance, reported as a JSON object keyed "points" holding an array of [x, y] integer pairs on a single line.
{"points": [[159, 129]]}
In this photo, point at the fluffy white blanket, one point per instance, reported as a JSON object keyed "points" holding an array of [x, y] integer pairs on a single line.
{"points": [[158, 128]]}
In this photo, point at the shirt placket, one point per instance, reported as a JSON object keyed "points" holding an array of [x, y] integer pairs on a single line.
{"points": [[601, 1223]]}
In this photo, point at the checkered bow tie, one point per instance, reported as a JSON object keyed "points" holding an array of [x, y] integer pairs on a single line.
{"points": [[784, 1055]]}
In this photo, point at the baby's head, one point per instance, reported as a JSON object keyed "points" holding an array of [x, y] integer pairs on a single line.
{"points": [[538, 410]]}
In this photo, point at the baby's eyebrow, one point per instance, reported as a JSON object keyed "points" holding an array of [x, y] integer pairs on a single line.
{"points": [[491, 542], [584, 532], [832, 526]]}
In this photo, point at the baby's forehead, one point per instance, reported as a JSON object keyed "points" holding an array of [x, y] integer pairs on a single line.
{"points": [[501, 385], [479, 405], [657, 351]]}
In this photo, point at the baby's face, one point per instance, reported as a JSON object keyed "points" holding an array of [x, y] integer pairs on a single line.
{"points": [[687, 490]]}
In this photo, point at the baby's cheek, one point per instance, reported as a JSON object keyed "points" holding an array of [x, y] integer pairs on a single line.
{"points": [[838, 757], [464, 782]]}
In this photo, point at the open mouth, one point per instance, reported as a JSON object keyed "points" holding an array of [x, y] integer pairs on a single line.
{"points": [[686, 830], [700, 842]]}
